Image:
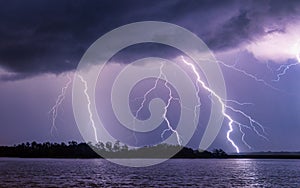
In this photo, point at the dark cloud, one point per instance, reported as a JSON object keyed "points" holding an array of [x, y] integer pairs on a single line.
{"points": [[252, 20], [233, 32], [51, 36]]}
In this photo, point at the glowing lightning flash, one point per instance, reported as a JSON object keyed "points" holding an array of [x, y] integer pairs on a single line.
{"points": [[59, 100], [225, 107], [284, 68], [89, 106], [233, 67], [166, 110], [170, 128]]}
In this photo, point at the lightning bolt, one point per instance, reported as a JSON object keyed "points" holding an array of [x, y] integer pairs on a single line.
{"points": [[143, 102], [243, 135], [89, 105], [61, 97], [164, 116], [249, 75], [225, 107], [284, 68], [252, 122], [179, 141], [239, 103]]}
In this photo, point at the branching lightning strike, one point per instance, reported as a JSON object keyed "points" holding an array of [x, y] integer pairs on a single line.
{"points": [[61, 97], [170, 128], [233, 67], [225, 107], [284, 68], [252, 123]]}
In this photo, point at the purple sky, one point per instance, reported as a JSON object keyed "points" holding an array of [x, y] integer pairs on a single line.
{"points": [[41, 41]]}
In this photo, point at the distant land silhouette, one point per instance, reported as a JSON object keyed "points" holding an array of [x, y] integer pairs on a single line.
{"points": [[116, 150]]}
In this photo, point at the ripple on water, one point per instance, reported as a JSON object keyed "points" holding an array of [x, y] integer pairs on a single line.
{"points": [[172, 173]]}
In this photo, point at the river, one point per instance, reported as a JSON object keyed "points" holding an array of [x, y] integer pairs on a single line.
{"points": [[15, 172]]}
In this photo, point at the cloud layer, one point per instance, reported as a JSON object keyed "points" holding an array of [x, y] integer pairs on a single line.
{"points": [[51, 36]]}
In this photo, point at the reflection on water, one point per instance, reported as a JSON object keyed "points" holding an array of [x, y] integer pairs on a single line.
{"points": [[172, 173]]}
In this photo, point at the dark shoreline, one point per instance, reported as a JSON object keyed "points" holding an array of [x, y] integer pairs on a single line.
{"points": [[229, 157], [74, 150]]}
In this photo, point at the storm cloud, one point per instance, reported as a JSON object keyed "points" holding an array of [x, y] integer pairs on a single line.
{"points": [[40, 37]]}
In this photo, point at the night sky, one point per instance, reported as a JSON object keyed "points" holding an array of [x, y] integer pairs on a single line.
{"points": [[43, 41]]}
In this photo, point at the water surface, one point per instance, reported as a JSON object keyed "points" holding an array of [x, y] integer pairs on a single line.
{"points": [[172, 173]]}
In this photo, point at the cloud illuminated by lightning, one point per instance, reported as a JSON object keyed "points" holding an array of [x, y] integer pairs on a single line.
{"points": [[58, 102], [225, 107], [284, 68], [89, 105]]}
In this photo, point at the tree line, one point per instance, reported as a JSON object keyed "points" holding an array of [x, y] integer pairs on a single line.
{"points": [[111, 150]]}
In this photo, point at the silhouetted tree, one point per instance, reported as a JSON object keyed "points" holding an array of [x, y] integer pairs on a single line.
{"points": [[73, 143], [100, 145], [108, 146], [219, 153], [117, 146], [124, 148]]}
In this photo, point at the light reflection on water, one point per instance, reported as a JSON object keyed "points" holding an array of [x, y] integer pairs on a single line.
{"points": [[172, 173]]}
